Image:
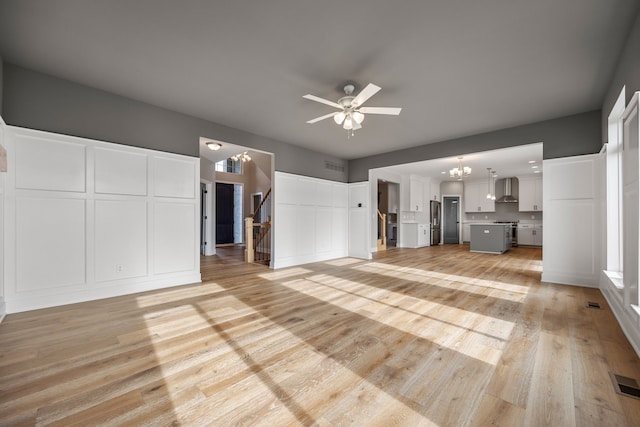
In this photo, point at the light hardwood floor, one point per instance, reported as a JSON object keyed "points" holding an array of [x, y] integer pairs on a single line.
{"points": [[431, 336]]}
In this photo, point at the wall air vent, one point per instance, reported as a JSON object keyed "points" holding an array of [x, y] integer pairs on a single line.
{"points": [[333, 166]]}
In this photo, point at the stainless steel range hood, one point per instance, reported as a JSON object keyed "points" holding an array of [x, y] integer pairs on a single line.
{"points": [[507, 198]]}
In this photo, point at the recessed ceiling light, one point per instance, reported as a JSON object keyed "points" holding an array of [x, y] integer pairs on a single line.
{"points": [[534, 167], [215, 146], [538, 171], [443, 172], [531, 161]]}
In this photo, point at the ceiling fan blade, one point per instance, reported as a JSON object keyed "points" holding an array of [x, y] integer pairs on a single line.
{"points": [[322, 100], [365, 94], [326, 116], [380, 110]]}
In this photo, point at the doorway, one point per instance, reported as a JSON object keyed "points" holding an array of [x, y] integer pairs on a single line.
{"points": [[228, 213], [207, 218], [451, 219]]}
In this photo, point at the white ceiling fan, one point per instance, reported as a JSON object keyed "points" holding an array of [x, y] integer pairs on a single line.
{"points": [[352, 112]]}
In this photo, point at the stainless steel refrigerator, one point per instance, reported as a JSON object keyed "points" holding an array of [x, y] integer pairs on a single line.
{"points": [[435, 222]]}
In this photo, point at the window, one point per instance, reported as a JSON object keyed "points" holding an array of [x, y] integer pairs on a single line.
{"points": [[623, 222], [229, 166], [630, 223], [614, 191]]}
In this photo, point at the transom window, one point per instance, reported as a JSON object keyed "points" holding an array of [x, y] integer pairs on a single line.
{"points": [[229, 166]]}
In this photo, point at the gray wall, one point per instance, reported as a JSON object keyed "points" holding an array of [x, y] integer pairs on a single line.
{"points": [[627, 73], [562, 137], [39, 101]]}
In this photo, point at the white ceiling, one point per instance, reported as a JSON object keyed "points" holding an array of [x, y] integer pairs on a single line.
{"points": [[455, 67], [507, 162]]}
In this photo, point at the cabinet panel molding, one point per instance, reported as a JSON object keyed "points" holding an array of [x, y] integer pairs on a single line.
{"points": [[118, 172], [47, 163]]}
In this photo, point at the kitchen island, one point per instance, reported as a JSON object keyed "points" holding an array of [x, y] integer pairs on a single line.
{"points": [[490, 238]]}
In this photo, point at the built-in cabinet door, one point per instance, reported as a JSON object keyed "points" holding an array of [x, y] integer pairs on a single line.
{"points": [[530, 197], [416, 193], [525, 235], [434, 194], [475, 197], [423, 235], [537, 235], [466, 232]]}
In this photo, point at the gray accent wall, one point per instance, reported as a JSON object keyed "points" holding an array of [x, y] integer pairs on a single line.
{"points": [[566, 136], [627, 74], [38, 101]]}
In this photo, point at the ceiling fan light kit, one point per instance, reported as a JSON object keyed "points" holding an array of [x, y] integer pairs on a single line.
{"points": [[352, 113]]}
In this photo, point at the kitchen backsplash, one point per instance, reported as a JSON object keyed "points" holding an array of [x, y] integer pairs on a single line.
{"points": [[504, 212]]}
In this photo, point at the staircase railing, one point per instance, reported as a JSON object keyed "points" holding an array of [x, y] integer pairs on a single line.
{"points": [[258, 234]]}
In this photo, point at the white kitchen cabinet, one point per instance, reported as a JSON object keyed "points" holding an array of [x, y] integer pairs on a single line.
{"points": [[434, 194], [475, 197], [537, 235], [466, 232], [416, 194], [526, 235], [415, 235], [530, 197], [409, 234], [423, 235]]}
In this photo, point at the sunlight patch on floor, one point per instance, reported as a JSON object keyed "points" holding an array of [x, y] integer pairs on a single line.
{"points": [[340, 262], [508, 291], [284, 273], [475, 335], [177, 293]]}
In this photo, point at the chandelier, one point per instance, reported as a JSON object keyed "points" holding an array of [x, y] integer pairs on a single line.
{"points": [[242, 156], [460, 171]]}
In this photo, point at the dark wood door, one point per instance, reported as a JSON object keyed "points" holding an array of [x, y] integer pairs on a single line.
{"points": [[451, 220], [224, 213]]}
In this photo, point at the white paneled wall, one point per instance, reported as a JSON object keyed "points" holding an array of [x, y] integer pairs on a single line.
{"points": [[3, 309], [571, 247], [310, 220], [87, 219], [359, 225]]}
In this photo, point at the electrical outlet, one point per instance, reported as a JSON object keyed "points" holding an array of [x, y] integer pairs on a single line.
{"points": [[486, 217], [533, 217], [119, 268], [473, 217]]}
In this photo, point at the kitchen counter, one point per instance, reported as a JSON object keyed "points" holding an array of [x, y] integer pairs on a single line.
{"points": [[490, 238]]}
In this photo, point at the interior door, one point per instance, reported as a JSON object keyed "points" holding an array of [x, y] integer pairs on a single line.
{"points": [[224, 213], [451, 220], [203, 218]]}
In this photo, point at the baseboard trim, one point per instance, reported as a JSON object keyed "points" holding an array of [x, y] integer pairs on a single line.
{"points": [[630, 330], [28, 303], [569, 279], [301, 260]]}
